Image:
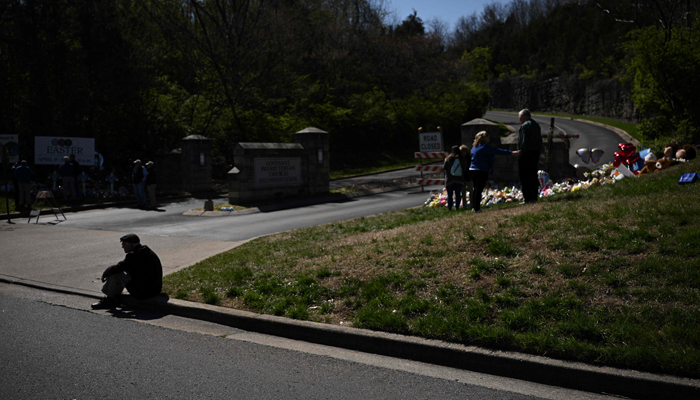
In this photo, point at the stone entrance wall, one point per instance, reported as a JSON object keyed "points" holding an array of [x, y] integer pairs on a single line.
{"points": [[268, 171]]}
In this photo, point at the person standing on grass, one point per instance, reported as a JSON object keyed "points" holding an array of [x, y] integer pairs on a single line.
{"points": [[529, 143], [454, 177], [482, 165], [466, 160]]}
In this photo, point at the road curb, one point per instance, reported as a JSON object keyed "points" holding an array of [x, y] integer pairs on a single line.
{"points": [[567, 374], [573, 375]]}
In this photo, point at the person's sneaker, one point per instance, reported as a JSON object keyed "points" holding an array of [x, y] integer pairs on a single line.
{"points": [[477, 211], [105, 304]]}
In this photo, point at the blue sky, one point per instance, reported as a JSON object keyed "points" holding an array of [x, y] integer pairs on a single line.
{"points": [[447, 10]]}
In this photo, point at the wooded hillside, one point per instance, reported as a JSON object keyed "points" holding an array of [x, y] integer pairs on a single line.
{"points": [[138, 75]]}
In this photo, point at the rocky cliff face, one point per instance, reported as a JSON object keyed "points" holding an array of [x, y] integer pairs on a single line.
{"points": [[569, 95]]}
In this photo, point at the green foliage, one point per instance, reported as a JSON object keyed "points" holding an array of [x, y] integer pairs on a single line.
{"points": [[479, 61], [139, 76], [666, 70]]}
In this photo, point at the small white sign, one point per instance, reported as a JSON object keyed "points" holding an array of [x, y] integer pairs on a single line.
{"points": [[430, 141], [51, 150], [277, 172], [12, 143]]}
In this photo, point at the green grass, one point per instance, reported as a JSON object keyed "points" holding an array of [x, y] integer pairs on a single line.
{"points": [[609, 275], [4, 201]]}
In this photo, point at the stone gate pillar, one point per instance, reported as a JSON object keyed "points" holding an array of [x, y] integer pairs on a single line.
{"points": [[196, 164], [317, 145]]}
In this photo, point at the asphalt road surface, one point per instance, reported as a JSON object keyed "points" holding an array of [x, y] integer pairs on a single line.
{"points": [[53, 347], [172, 222]]}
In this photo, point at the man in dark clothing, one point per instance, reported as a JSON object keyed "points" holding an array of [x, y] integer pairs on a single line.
{"points": [[67, 171], [76, 173], [529, 144], [140, 272], [151, 181], [23, 175], [139, 179]]}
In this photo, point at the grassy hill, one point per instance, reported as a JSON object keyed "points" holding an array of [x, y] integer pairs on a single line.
{"points": [[609, 275]]}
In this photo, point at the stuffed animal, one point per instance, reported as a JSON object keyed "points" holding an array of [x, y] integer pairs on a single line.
{"points": [[690, 152], [671, 149], [649, 164], [663, 163]]}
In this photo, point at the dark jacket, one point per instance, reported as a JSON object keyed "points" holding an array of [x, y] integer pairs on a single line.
{"points": [[530, 136], [447, 166], [152, 177], [145, 269], [23, 174], [67, 170], [138, 175]]}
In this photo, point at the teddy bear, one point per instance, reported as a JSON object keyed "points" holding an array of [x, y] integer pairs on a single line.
{"points": [[649, 164]]}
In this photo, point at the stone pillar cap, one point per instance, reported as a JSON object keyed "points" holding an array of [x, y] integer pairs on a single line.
{"points": [[479, 121], [311, 129]]}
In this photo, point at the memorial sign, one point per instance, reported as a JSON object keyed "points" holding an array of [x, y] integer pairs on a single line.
{"points": [[277, 172]]}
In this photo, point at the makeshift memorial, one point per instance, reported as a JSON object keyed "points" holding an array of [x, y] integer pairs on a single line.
{"points": [[628, 156]]}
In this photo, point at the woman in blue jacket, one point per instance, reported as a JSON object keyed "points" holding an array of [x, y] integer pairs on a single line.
{"points": [[481, 166]]}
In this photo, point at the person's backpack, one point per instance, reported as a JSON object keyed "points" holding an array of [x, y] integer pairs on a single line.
{"points": [[456, 169]]}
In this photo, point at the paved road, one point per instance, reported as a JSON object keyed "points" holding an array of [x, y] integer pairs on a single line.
{"points": [[239, 227], [65, 351]]}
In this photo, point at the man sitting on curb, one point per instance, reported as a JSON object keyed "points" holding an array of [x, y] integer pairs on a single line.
{"points": [[140, 272]]}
